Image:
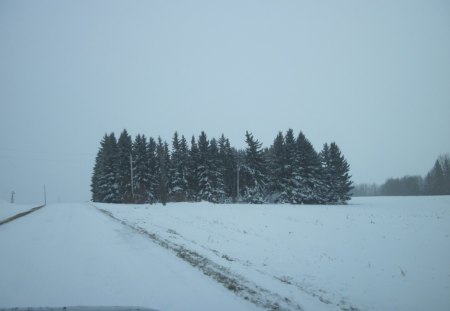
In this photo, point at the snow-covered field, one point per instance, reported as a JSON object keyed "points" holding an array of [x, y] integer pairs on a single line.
{"points": [[373, 254]]}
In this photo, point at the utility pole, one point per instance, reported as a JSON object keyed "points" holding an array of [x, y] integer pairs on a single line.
{"points": [[131, 169], [237, 183], [45, 196], [12, 196]]}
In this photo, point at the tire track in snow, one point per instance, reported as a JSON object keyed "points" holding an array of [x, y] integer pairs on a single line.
{"points": [[242, 287], [340, 303]]}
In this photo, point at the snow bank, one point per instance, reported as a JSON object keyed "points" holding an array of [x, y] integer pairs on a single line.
{"points": [[8, 209]]}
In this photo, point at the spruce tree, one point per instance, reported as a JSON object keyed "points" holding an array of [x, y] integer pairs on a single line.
{"points": [[153, 181], [205, 187], [446, 173], [277, 164], [227, 167], [95, 180], [327, 194], [308, 171], [107, 179], [254, 178], [436, 180], [123, 167], [192, 177], [178, 185], [184, 159], [163, 171], [215, 170], [337, 176], [292, 179], [141, 170]]}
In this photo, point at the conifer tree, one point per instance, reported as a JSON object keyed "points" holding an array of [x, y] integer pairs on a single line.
{"points": [[336, 170], [95, 180], [215, 173], [254, 180], [277, 164], [435, 180], [184, 156], [192, 177], [227, 167], [446, 173], [141, 170], [308, 170], [178, 169], [326, 177], [107, 186], [292, 179], [162, 150], [153, 182], [205, 191], [123, 168]]}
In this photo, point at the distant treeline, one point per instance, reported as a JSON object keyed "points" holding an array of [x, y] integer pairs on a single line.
{"points": [[289, 171], [436, 182]]}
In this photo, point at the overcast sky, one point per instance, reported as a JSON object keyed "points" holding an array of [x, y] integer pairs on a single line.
{"points": [[374, 76]]}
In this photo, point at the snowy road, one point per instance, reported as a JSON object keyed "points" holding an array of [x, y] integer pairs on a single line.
{"points": [[71, 255]]}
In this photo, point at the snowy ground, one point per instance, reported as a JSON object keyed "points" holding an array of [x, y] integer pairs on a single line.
{"points": [[7, 209], [72, 255], [374, 254]]}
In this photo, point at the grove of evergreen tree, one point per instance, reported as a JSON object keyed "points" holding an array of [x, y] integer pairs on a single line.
{"points": [[289, 171]]}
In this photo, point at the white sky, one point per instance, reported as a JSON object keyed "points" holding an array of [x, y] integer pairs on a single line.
{"points": [[374, 76]]}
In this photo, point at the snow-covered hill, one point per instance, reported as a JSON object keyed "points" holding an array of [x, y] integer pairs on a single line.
{"points": [[374, 254]]}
